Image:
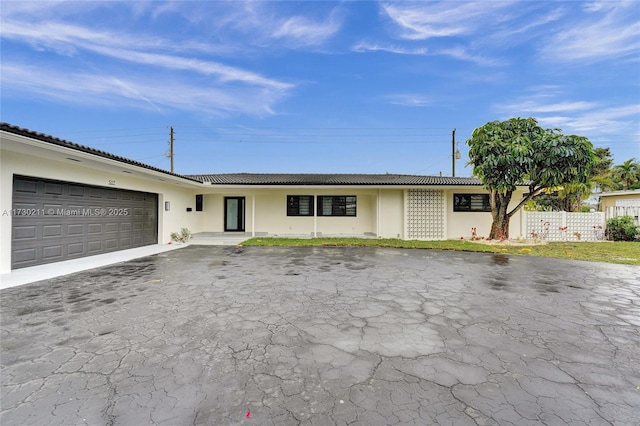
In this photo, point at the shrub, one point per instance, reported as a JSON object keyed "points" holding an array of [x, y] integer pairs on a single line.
{"points": [[621, 228], [182, 237]]}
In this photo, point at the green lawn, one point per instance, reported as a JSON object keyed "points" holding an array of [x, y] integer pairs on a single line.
{"points": [[612, 252]]}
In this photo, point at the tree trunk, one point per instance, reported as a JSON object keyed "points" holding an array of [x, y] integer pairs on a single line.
{"points": [[500, 225], [499, 228]]}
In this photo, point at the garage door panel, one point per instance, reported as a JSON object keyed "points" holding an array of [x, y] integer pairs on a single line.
{"points": [[24, 232], [76, 220], [95, 192], [75, 249], [25, 186], [25, 208], [23, 256], [111, 244], [76, 190], [110, 228], [94, 247], [51, 231], [94, 228], [75, 229], [51, 188], [53, 253]]}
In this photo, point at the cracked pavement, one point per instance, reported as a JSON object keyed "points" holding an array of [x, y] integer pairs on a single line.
{"points": [[320, 336]]}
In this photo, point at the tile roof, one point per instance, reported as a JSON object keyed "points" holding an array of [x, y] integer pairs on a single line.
{"points": [[261, 178], [81, 148], [331, 179]]}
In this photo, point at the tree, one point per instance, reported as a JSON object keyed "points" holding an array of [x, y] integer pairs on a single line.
{"points": [[628, 173], [569, 197], [505, 154], [602, 172]]}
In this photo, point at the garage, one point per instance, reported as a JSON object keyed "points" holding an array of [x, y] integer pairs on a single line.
{"points": [[56, 220]]}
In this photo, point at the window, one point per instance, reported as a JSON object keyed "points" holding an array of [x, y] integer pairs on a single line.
{"points": [[299, 205], [334, 205], [199, 202], [471, 203]]}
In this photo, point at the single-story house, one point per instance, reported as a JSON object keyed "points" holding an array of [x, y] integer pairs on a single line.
{"points": [[621, 203], [61, 200], [627, 198]]}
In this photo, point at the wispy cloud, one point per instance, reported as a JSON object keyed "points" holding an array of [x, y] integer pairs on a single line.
{"points": [[464, 54], [302, 31], [363, 46], [605, 120], [535, 107], [132, 91], [592, 119], [261, 24], [606, 30], [169, 75], [421, 21], [459, 30], [409, 100], [457, 52]]}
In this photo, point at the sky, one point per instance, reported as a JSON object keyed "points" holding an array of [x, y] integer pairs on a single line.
{"points": [[317, 86]]}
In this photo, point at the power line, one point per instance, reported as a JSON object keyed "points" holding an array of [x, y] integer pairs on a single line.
{"points": [[309, 142], [109, 130], [119, 136]]}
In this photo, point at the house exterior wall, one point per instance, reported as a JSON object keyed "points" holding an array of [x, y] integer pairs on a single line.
{"points": [[615, 200], [271, 212], [459, 224], [12, 163], [391, 213], [379, 211]]}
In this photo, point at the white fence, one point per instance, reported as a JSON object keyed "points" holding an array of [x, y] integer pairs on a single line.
{"points": [[564, 226], [615, 211]]}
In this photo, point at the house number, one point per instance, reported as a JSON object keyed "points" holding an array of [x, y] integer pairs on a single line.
{"points": [[112, 182]]}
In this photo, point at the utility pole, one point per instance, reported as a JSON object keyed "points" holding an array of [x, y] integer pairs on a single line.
{"points": [[453, 153], [170, 153]]}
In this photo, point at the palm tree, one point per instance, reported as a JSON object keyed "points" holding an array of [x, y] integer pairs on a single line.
{"points": [[628, 173]]}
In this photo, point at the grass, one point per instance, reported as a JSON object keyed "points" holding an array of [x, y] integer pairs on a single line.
{"points": [[627, 253]]}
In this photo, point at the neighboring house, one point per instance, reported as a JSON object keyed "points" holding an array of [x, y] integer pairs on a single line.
{"points": [[620, 203], [61, 200]]}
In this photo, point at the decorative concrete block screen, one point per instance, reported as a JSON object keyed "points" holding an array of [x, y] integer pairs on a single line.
{"points": [[425, 215], [564, 226]]}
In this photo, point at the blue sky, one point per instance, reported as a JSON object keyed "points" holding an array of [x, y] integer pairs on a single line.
{"points": [[318, 86]]}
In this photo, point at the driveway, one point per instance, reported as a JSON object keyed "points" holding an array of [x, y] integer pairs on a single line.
{"points": [[215, 335]]}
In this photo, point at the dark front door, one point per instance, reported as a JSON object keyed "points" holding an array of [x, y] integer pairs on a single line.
{"points": [[234, 214]]}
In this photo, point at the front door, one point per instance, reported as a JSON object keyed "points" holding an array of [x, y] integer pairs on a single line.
{"points": [[234, 214]]}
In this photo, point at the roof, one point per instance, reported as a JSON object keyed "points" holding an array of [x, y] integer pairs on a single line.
{"points": [[6, 127], [331, 179], [618, 193], [261, 178]]}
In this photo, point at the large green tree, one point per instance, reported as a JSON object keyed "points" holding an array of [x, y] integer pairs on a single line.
{"points": [[506, 154], [569, 197]]}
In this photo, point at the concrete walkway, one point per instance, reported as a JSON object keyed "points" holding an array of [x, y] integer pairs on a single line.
{"points": [[43, 272], [52, 270], [213, 335]]}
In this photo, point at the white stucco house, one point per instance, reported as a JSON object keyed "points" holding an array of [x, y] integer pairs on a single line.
{"points": [[60, 200]]}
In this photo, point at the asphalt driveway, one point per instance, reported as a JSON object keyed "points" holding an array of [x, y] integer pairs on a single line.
{"points": [[319, 336]]}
